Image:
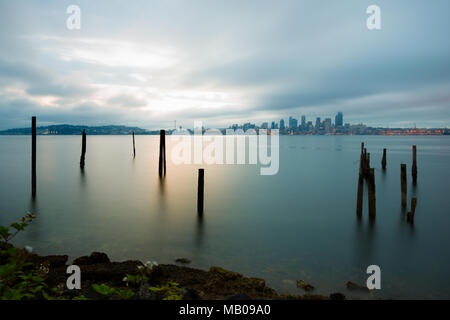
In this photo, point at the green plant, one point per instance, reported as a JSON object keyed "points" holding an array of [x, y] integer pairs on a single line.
{"points": [[19, 279], [125, 294], [169, 291], [142, 275], [106, 290], [7, 233], [103, 289]]}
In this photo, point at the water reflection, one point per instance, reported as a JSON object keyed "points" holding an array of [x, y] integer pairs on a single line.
{"points": [[199, 234]]}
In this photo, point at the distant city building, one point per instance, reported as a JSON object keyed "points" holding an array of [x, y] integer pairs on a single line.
{"points": [[264, 125], [327, 125], [303, 123], [339, 120], [293, 123], [282, 127], [272, 126], [318, 123]]}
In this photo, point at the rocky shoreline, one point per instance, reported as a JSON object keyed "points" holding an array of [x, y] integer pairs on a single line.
{"points": [[193, 284]]}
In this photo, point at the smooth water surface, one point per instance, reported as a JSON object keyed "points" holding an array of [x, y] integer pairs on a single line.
{"points": [[298, 224]]}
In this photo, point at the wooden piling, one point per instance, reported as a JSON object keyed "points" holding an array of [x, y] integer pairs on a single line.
{"points": [[403, 184], [383, 161], [359, 200], [134, 147], [201, 189], [371, 194], [362, 147], [414, 165], [33, 156], [162, 153], [83, 149], [410, 215]]}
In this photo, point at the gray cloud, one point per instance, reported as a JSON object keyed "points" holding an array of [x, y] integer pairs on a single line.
{"points": [[232, 61]]}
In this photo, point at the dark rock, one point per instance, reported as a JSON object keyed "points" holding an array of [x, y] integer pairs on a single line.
{"points": [[52, 261], [227, 275], [94, 258], [304, 285], [337, 296], [190, 294], [239, 296], [183, 260], [109, 272]]}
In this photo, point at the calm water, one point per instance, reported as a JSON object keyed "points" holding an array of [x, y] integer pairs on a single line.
{"points": [[298, 224]]}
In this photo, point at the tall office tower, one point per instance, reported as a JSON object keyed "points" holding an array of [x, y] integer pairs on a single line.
{"points": [[294, 124], [327, 123], [264, 125], [282, 124], [339, 120], [303, 122], [317, 123], [272, 126]]}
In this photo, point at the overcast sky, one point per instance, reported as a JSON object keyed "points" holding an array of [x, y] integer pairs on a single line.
{"points": [[148, 63]]}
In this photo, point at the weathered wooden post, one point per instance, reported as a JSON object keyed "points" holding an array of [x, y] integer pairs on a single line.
{"points": [[33, 156], [362, 147], [359, 200], [410, 215], [371, 191], [162, 152], [414, 165], [403, 184], [134, 147], [201, 189], [83, 149], [383, 161], [367, 168]]}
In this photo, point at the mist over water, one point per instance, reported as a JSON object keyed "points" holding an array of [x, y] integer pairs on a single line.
{"points": [[298, 224]]}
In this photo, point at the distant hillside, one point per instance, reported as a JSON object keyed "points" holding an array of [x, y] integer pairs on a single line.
{"points": [[65, 129]]}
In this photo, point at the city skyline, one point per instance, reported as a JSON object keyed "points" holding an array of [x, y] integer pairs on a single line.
{"points": [[153, 62]]}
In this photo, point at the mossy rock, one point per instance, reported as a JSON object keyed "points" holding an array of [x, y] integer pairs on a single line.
{"points": [[228, 275]]}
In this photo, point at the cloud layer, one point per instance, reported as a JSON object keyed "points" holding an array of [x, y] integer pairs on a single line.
{"points": [[148, 63]]}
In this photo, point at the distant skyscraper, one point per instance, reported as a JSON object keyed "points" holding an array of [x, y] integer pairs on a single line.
{"points": [[282, 127], [264, 125], [293, 123], [327, 124], [317, 123], [339, 120], [303, 122], [272, 125]]}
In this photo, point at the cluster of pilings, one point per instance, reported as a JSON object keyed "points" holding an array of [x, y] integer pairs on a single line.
{"points": [[367, 173], [161, 166]]}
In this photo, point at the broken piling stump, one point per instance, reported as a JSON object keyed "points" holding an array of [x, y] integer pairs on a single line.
{"points": [[359, 200], [83, 149], [162, 153], [414, 165], [134, 147], [201, 190], [371, 194], [403, 183], [410, 215], [33, 156], [383, 161]]}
